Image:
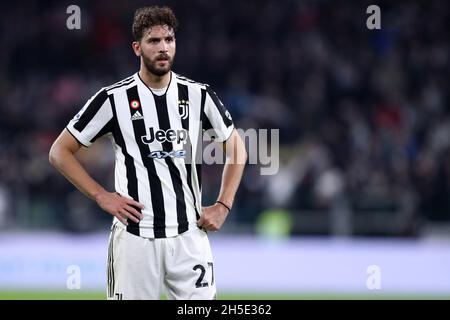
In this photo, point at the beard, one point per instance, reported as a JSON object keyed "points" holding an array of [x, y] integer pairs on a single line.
{"points": [[152, 65]]}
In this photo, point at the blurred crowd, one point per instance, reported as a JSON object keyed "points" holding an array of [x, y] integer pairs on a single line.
{"points": [[364, 115]]}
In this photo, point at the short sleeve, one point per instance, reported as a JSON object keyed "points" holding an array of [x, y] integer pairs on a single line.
{"points": [[93, 120], [216, 117]]}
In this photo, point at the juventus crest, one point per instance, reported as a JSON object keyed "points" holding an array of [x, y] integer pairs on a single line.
{"points": [[183, 108]]}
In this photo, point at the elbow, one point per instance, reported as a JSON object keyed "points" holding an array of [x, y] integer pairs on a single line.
{"points": [[53, 155], [241, 151], [243, 156]]}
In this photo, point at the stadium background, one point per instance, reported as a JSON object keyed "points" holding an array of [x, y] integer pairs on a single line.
{"points": [[364, 122]]}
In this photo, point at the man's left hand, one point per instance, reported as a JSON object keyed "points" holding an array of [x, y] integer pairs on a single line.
{"points": [[213, 217]]}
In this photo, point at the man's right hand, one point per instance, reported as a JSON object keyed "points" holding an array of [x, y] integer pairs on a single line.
{"points": [[120, 207]]}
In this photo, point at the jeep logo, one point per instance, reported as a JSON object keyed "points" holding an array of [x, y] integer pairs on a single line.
{"points": [[163, 136]]}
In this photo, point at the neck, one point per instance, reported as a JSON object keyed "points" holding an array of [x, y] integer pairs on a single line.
{"points": [[152, 80]]}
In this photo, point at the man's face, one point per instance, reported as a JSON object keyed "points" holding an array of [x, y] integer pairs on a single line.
{"points": [[157, 49]]}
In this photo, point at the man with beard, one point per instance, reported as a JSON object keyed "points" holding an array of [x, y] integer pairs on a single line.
{"points": [[155, 120]]}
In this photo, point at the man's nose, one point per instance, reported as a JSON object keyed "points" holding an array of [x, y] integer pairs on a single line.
{"points": [[163, 46]]}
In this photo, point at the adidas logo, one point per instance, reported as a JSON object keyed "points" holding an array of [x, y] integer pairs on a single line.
{"points": [[137, 116]]}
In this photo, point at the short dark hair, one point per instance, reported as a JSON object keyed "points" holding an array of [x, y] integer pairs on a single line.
{"points": [[148, 17]]}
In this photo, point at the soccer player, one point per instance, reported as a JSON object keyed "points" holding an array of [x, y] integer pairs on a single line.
{"points": [[155, 120]]}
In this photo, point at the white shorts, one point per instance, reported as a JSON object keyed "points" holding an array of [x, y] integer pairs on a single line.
{"points": [[140, 268]]}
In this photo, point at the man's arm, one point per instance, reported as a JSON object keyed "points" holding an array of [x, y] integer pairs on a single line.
{"points": [[214, 216], [62, 157]]}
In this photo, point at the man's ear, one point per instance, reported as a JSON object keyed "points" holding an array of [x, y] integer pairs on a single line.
{"points": [[136, 48]]}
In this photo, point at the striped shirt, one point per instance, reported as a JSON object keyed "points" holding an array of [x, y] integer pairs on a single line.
{"points": [[156, 139]]}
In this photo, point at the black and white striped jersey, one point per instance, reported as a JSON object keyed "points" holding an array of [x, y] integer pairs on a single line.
{"points": [[156, 140]]}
